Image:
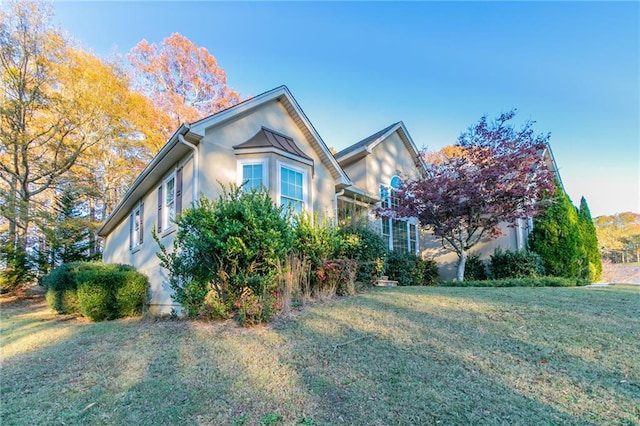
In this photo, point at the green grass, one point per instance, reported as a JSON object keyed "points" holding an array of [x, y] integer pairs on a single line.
{"points": [[391, 356]]}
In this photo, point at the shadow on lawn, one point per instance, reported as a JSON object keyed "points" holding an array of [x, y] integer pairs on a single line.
{"points": [[411, 364], [393, 378]]}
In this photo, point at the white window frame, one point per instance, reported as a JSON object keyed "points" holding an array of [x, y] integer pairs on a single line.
{"points": [[305, 184], [167, 221], [253, 162], [135, 233], [386, 202]]}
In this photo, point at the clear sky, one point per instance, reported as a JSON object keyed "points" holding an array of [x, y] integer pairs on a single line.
{"points": [[357, 67]]}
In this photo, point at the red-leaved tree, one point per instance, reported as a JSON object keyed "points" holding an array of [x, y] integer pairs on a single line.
{"points": [[494, 174]]}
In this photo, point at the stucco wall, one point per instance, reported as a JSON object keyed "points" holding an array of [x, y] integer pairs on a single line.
{"points": [[447, 259], [143, 257], [218, 164]]}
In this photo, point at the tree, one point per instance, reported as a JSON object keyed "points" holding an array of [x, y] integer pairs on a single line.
{"points": [[593, 271], [57, 105], [182, 79], [619, 236], [69, 230], [496, 174], [557, 237]]}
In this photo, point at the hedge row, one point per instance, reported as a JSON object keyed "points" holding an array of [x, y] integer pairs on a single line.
{"points": [[518, 282], [96, 290]]}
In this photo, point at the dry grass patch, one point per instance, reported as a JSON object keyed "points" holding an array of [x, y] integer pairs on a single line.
{"points": [[391, 356]]}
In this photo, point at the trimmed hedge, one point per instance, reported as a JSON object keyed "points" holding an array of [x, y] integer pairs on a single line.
{"points": [[515, 264], [409, 269], [96, 290], [519, 282]]}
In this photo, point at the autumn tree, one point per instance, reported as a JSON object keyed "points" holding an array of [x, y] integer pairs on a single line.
{"points": [[58, 104], [619, 236], [593, 270], [183, 80], [496, 174]]}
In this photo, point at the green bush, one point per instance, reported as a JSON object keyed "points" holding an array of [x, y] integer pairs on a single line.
{"points": [[132, 295], [231, 245], [409, 269], [61, 288], [519, 282], [316, 241], [515, 264], [365, 246], [213, 308], [475, 269], [96, 290]]}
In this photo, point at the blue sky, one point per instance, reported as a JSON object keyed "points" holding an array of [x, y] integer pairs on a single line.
{"points": [[357, 67]]}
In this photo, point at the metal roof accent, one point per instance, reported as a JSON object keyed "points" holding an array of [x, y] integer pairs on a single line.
{"points": [[267, 138]]}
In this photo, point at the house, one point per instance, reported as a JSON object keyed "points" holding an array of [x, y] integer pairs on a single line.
{"points": [[267, 140]]}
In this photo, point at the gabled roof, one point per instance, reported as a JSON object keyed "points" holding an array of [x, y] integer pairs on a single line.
{"points": [[267, 138], [173, 150], [365, 142], [283, 95], [366, 145]]}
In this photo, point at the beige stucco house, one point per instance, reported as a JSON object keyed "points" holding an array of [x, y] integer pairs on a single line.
{"points": [[268, 140]]}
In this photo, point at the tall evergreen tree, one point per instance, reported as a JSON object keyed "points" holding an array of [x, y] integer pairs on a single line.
{"points": [[593, 271], [557, 237]]}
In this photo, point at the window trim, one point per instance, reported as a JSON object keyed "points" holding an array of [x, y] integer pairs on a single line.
{"points": [[167, 223], [305, 184], [136, 237], [251, 162], [386, 201]]}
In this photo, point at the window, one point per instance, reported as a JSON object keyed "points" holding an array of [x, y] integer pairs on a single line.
{"points": [[292, 189], [252, 176], [136, 231], [169, 200], [398, 234]]}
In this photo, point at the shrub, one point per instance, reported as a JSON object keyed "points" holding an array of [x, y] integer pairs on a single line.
{"points": [[430, 272], [337, 276], [515, 264], [96, 290], [519, 282], [61, 288], [232, 245], [252, 309], [132, 294], [365, 246], [475, 269], [109, 291], [409, 269], [213, 308], [315, 241]]}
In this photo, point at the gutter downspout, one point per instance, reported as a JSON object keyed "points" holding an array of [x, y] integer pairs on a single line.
{"points": [[195, 166], [335, 201]]}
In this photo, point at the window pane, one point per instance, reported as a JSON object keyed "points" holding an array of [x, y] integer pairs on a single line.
{"points": [[400, 241], [252, 175], [169, 193], [291, 189]]}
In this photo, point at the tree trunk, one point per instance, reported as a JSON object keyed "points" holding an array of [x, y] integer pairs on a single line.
{"points": [[462, 262]]}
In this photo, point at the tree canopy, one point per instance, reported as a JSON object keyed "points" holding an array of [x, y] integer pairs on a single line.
{"points": [[183, 80], [494, 174]]}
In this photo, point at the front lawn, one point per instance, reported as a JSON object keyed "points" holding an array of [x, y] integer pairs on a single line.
{"points": [[391, 356]]}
